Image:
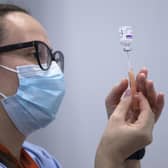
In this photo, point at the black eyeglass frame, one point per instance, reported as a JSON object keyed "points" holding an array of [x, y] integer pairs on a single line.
{"points": [[12, 47]]}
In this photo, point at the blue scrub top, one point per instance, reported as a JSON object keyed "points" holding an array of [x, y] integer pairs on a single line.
{"points": [[40, 156]]}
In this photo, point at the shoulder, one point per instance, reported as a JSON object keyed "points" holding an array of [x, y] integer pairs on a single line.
{"points": [[41, 156], [2, 166]]}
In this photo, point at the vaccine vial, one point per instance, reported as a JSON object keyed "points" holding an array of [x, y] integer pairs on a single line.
{"points": [[126, 37]]}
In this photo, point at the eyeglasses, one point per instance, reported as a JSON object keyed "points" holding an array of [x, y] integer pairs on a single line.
{"points": [[43, 53]]}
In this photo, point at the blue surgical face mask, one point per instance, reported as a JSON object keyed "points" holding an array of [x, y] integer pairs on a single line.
{"points": [[37, 99]]}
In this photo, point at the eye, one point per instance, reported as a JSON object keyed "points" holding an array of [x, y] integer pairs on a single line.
{"points": [[29, 52]]}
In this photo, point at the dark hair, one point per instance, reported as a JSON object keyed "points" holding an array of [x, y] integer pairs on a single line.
{"points": [[4, 10]]}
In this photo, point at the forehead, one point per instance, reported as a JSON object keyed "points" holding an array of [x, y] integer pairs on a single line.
{"points": [[21, 27]]}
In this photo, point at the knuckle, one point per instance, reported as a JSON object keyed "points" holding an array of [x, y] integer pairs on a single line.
{"points": [[116, 117]]}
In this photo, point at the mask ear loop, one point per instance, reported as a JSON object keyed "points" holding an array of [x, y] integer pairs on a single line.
{"points": [[1, 94], [9, 69]]}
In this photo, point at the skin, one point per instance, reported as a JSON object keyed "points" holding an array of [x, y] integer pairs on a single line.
{"points": [[24, 28], [151, 106]]}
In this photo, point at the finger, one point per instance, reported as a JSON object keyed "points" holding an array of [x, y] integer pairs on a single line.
{"points": [[140, 83], [123, 107], [114, 97], [159, 105], [146, 116], [151, 94], [140, 79], [144, 70]]}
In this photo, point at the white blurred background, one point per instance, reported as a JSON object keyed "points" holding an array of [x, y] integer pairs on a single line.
{"points": [[87, 33]]}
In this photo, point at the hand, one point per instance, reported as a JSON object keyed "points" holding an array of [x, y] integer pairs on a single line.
{"points": [[122, 137], [156, 100]]}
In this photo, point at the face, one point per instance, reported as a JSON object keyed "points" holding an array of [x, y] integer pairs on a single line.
{"points": [[21, 28]]}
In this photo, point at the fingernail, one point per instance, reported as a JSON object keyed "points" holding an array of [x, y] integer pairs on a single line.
{"points": [[127, 93], [142, 74], [162, 94]]}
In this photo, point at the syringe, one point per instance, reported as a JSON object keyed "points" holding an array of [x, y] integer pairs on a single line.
{"points": [[126, 38], [131, 76]]}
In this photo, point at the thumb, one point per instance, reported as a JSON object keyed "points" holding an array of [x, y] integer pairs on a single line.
{"points": [[123, 107]]}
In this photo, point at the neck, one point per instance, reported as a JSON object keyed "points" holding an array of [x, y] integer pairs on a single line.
{"points": [[10, 137]]}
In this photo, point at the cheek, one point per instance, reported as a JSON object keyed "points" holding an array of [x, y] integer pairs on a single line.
{"points": [[23, 61], [17, 60], [9, 82]]}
